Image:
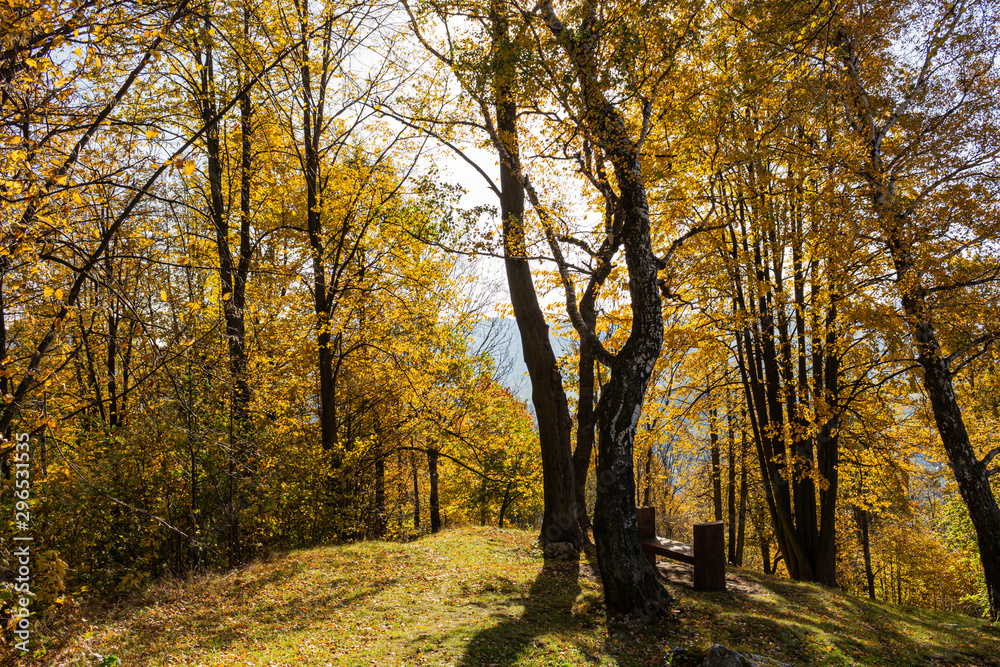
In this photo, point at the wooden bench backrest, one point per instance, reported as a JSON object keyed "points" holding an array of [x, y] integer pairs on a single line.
{"points": [[709, 549], [646, 516]]}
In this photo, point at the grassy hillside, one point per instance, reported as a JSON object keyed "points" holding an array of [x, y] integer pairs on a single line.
{"points": [[486, 597]]}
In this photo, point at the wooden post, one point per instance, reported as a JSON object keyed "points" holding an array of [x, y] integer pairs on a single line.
{"points": [[709, 556], [646, 518]]}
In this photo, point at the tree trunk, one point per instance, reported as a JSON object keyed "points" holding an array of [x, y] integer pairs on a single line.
{"points": [[647, 481], [416, 495], [432, 471], [111, 368], [380, 517], [828, 459], [507, 498], [236, 313], [630, 582], [126, 370], [741, 532], [400, 491], [970, 473], [312, 127], [232, 282], [731, 483], [559, 515], [585, 417], [588, 314], [713, 436], [861, 518]]}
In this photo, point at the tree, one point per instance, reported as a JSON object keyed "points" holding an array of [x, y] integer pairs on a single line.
{"points": [[923, 137], [559, 521], [199, 77], [563, 516], [630, 585]]}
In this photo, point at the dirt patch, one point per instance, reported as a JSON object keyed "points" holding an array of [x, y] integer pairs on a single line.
{"points": [[680, 574]]}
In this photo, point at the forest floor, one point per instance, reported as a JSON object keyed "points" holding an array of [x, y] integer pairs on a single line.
{"points": [[482, 596]]}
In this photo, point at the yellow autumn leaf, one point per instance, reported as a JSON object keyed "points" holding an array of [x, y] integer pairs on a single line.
{"points": [[152, 134], [189, 167], [227, 296], [77, 199], [48, 291], [163, 295]]}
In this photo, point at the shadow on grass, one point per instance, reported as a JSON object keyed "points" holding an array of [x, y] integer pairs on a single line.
{"points": [[808, 620], [548, 606]]}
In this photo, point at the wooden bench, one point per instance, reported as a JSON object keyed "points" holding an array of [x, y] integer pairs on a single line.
{"points": [[708, 556]]}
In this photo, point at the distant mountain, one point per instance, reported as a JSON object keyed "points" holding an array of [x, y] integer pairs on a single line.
{"points": [[499, 337]]}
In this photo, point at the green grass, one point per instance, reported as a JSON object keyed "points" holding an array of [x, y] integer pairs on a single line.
{"points": [[486, 597]]}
